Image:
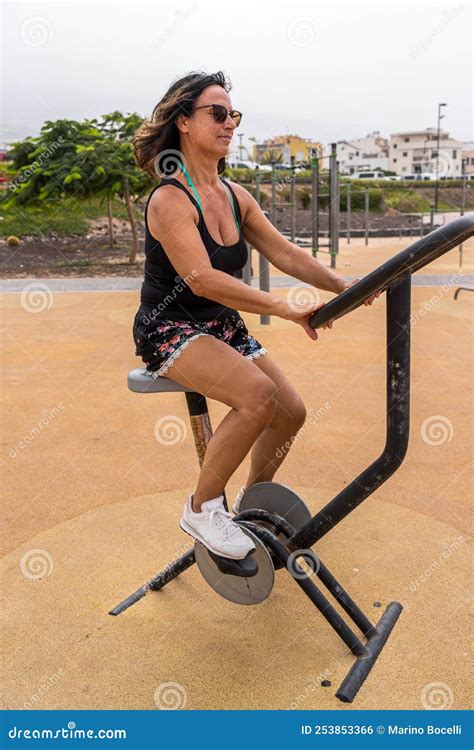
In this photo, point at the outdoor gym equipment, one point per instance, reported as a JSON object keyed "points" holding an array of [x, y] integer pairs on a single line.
{"points": [[333, 204], [329, 181], [275, 517]]}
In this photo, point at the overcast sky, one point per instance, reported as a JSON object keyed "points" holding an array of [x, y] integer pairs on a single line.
{"points": [[326, 71]]}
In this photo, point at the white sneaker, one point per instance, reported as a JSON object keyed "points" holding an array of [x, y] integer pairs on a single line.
{"points": [[238, 498], [214, 527]]}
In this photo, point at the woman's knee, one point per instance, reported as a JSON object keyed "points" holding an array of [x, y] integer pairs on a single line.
{"points": [[261, 400], [298, 413], [291, 413]]}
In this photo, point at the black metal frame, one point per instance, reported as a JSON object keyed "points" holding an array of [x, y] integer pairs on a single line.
{"points": [[394, 276]]}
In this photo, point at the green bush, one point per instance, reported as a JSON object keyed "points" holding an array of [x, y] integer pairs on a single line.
{"points": [[411, 202], [303, 197], [358, 199], [63, 217], [283, 195], [241, 176]]}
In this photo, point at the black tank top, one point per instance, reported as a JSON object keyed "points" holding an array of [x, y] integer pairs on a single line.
{"points": [[165, 292]]}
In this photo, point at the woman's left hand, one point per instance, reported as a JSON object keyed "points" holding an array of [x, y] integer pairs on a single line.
{"points": [[367, 301]]}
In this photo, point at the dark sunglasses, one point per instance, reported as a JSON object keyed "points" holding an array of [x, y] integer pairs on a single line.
{"points": [[220, 113]]}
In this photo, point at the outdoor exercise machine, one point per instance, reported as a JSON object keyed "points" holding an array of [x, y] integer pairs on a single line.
{"points": [[275, 517], [333, 196], [328, 180]]}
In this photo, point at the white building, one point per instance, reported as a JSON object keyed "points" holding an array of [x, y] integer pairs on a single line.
{"points": [[468, 156], [416, 151], [369, 153]]}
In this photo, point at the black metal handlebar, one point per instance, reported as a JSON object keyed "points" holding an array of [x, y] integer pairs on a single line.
{"points": [[414, 257], [395, 276]]}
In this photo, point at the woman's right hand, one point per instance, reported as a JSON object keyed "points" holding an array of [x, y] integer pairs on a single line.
{"points": [[301, 313]]}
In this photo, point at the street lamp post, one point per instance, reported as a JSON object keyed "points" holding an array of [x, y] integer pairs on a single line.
{"points": [[440, 117], [241, 135]]}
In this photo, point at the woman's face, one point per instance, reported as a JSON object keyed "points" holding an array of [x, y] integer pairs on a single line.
{"points": [[202, 131]]}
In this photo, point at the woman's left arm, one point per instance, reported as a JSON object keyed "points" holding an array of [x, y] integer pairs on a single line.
{"points": [[283, 254]]}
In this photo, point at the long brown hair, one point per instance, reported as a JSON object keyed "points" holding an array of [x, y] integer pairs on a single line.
{"points": [[156, 142]]}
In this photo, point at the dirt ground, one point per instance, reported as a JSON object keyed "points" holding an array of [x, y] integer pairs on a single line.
{"points": [[92, 255], [92, 499]]}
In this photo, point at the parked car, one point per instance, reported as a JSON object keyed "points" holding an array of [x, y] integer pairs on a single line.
{"points": [[247, 164], [368, 175], [419, 177]]}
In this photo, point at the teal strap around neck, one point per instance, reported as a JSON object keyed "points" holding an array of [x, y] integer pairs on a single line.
{"points": [[191, 185]]}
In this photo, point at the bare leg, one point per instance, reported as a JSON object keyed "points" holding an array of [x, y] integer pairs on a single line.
{"points": [[274, 443], [213, 368], [227, 448], [270, 450]]}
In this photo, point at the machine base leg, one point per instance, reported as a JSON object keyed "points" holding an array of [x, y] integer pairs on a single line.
{"points": [[173, 570], [359, 671]]}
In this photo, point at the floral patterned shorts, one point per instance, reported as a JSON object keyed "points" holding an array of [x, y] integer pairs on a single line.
{"points": [[159, 342]]}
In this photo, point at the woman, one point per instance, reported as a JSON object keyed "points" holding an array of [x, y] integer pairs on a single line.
{"points": [[187, 326]]}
